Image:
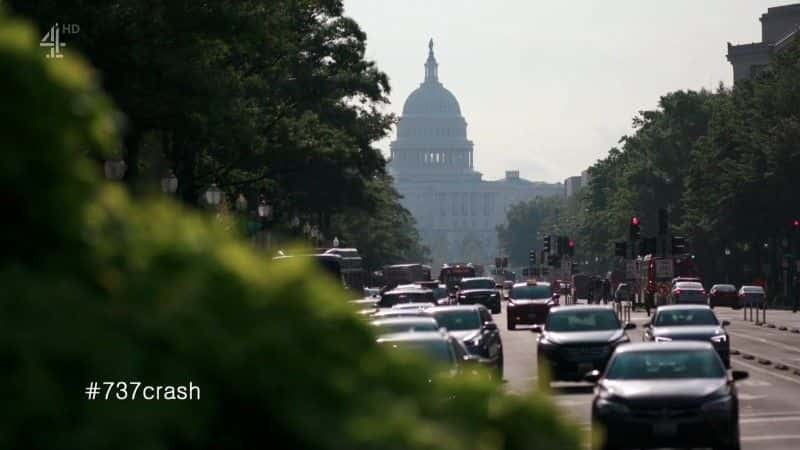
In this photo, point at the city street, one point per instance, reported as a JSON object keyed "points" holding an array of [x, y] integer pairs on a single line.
{"points": [[769, 399]]}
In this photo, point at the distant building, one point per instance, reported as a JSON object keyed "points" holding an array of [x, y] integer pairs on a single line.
{"points": [[572, 185], [457, 212], [779, 27], [585, 178]]}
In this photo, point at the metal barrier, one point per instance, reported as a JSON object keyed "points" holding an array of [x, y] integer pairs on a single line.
{"points": [[760, 311], [623, 310]]}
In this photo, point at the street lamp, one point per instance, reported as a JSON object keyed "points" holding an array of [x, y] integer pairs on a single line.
{"points": [[241, 203], [213, 195], [335, 241], [264, 209], [169, 184], [115, 169], [727, 251]]}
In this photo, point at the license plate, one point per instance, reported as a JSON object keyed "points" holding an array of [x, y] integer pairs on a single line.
{"points": [[585, 367], [665, 429]]}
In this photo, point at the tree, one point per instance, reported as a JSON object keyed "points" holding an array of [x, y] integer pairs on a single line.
{"points": [[124, 289]]}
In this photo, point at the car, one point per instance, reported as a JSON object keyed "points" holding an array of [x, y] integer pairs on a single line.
{"points": [[404, 325], [481, 290], [689, 292], [577, 339], [674, 394], [529, 303], [723, 295], [689, 322], [406, 294], [752, 296], [472, 325], [439, 347]]}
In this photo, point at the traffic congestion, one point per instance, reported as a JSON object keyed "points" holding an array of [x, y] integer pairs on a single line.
{"points": [[658, 376]]}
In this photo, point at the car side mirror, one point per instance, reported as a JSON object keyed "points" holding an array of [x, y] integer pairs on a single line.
{"points": [[630, 326], [725, 323], [739, 375], [592, 377], [536, 329], [490, 326]]}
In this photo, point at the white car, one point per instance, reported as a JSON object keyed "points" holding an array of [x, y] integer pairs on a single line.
{"points": [[752, 295]]}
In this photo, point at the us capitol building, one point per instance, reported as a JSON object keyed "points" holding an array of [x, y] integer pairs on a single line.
{"points": [[432, 163]]}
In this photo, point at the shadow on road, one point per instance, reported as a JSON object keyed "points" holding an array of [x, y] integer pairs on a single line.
{"points": [[572, 389]]}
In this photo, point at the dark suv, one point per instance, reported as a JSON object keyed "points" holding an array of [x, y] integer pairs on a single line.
{"points": [[479, 290], [529, 303]]}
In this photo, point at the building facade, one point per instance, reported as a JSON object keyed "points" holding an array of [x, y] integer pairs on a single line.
{"points": [[432, 162], [572, 185], [779, 27]]}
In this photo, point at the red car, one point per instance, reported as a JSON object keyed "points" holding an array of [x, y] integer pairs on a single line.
{"points": [[723, 295]]}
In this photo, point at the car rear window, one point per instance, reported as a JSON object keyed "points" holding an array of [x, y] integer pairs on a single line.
{"points": [[666, 365], [531, 292], [725, 288]]}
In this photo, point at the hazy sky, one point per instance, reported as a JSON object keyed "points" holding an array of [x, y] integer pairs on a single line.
{"points": [[547, 87]]}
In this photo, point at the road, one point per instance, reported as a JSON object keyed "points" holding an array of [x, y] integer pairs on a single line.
{"points": [[769, 399]]}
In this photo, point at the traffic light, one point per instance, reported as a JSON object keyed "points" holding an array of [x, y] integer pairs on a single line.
{"points": [[678, 245], [532, 257], [663, 222], [635, 231], [796, 225], [570, 247], [621, 249], [547, 242]]}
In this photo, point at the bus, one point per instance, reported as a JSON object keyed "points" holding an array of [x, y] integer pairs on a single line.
{"points": [[451, 274], [398, 274]]}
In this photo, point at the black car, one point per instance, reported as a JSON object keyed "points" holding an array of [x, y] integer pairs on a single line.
{"points": [[440, 347], [576, 340], [690, 323], [529, 303], [676, 394], [472, 325], [479, 290]]}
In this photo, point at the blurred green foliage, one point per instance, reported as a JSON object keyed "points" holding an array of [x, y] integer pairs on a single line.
{"points": [[97, 287]]}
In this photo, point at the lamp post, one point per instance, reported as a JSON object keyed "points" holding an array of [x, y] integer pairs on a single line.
{"points": [[115, 169], [213, 195], [264, 212], [727, 265], [169, 184]]}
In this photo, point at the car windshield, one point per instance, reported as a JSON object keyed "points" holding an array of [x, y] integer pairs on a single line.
{"points": [[456, 320], [477, 284], [531, 292], [665, 364], [681, 317], [576, 321], [390, 299], [725, 288], [438, 351], [404, 327]]}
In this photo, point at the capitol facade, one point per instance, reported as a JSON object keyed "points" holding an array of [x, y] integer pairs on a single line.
{"points": [[432, 162]]}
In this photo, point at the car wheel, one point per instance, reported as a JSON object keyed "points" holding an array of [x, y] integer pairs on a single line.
{"points": [[511, 325]]}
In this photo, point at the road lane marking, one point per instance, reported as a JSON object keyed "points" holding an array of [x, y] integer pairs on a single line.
{"points": [[779, 437], [754, 383], [764, 341], [770, 419], [750, 397], [768, 372]]}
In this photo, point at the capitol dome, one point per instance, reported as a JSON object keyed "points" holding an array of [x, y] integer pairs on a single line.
{"points": [[431, 98]]}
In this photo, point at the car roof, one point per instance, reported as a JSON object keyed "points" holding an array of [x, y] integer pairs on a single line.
{"points": [[664, 346], [408, 289], [682, 307], [689, 284], [404, 320], [436, 309], [753, 288], [538, 283], [477, 278], [581, 308], [414, 336]]}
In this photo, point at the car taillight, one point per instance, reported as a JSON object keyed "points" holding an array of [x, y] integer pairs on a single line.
{"points": [[677, 292]]}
